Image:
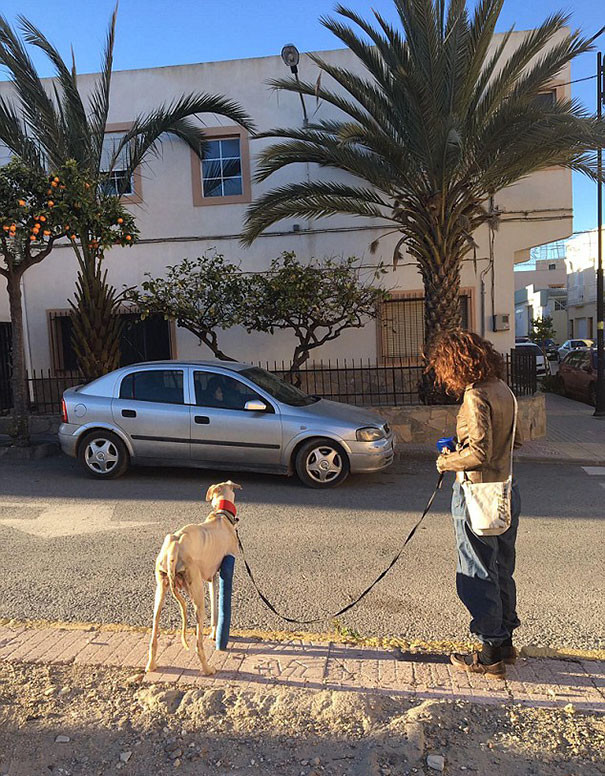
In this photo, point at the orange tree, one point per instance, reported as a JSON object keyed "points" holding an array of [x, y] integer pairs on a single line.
{"points": [[37, 209]]}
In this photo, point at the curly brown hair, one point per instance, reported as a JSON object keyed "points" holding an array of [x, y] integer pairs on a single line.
{"points": [[459, 357]]}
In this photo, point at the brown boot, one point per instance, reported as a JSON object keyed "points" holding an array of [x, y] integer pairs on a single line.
{"points": [[472, 665]]}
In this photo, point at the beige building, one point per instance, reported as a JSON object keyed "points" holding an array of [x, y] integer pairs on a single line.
{"points": [[541, 292], [184, 208], [581, 261]]}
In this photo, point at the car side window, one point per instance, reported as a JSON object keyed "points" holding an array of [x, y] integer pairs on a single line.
{"points": [[163, 386], [222, 392]]}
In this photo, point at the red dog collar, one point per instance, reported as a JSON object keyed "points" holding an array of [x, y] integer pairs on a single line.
{"points": [[227, 506]]}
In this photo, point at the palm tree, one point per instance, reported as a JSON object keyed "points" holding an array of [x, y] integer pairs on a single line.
{"points": [[61, 125], [443, 118]]}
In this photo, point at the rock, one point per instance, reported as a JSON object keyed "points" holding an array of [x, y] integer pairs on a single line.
{"points": [[50, 691], [176, 762], [436, 762], [64, 690], [62, 739], [125, 756], [175, 754], [316, 761]]}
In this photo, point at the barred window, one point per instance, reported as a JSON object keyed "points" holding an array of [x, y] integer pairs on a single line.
{"points": [[402, 328], [118, 182]]}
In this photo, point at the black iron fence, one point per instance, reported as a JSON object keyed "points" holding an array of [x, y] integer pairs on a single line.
{"points": [[350, 381]]}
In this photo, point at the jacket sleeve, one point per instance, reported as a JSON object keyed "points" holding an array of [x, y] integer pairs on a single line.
{"points": [[477, 449]]}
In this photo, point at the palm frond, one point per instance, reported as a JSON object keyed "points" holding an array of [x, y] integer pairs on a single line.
{"points": [[313, 200], [99, 96]]}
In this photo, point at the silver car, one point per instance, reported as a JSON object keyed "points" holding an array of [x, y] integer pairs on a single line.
{"points": [[574, 344], [218, 415]]}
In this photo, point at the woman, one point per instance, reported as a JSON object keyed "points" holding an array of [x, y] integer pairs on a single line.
{"points": [[465, 364]]}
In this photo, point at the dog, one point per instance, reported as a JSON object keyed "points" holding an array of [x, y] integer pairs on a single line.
{"points": [[188, 558]]}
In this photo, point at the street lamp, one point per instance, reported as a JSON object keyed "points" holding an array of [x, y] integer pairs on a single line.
{"points": [[600, 392], [291, 58]]}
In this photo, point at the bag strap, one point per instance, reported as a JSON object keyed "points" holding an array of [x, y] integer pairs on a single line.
{"points": [[512, 443]]}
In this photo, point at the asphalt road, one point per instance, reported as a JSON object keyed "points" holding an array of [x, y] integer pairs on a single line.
{"points": [[80, 550]]}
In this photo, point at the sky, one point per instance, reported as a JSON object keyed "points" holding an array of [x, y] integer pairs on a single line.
{"points": [[153, 33]]}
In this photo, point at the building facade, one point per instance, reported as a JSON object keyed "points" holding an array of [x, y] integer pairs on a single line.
{"points": [[541, 292], [184, 208], [581, 260]]}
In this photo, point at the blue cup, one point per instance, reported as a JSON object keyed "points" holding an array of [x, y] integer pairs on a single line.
{"points": [[446, 443]]}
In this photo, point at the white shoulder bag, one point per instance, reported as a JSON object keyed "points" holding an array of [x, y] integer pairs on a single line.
{"points": [[489, 503]]}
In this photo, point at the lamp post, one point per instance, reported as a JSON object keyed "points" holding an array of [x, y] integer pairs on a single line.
{"points": [[291, 58], [600, 392]]}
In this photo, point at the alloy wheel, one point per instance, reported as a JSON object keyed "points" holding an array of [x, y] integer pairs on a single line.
{"points": [[323, 464], [101, 455]]}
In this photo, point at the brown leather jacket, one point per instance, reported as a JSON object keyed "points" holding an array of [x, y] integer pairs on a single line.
{"points": [[483, 427]]}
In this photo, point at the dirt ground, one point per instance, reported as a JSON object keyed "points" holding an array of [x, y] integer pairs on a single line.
{"points": [[113, 723]]}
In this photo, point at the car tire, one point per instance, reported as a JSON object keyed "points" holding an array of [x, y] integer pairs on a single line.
{"points": [[322, 463], [103, 455]]}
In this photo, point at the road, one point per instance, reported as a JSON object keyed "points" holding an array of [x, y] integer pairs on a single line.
{"points": [[81, 550]]}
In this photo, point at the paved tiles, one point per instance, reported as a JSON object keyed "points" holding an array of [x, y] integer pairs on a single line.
{"points": [[251, 663]]}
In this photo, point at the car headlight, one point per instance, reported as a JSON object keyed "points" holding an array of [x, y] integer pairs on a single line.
{"points": [[369, 434]]}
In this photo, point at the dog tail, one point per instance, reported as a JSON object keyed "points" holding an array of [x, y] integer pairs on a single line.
{"points": [[171, 563]]}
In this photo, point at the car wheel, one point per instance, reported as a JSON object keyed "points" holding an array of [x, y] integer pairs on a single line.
{"points": [[322, 463], [103, 455]]}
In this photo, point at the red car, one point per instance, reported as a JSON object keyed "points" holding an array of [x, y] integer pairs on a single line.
{"points": [[578, 375]]}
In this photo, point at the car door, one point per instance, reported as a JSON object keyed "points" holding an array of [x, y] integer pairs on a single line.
{"points": [[223, 433], [151, 409], [572, 380], [584, 374]]}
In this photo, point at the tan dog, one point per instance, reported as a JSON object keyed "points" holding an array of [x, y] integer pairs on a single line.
{"points": [[190, 557]]}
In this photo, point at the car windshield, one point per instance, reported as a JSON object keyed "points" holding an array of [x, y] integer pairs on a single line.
{"points": [[529, 346], [279, 389]]}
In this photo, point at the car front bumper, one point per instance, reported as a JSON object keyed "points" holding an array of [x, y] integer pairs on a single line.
{"points": [[371, 456]]}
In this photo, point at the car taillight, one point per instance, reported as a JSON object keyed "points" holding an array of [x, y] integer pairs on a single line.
{"points": [[64, 412]]}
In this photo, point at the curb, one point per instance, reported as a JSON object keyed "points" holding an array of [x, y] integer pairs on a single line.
{"points": [[414, 646]]}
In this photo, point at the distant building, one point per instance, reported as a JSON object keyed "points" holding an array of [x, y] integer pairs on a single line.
{"points": [[581, 261], [532, 303]]}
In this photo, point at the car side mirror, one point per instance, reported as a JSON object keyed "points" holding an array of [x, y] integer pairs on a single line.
{"points": [[255, 406]]}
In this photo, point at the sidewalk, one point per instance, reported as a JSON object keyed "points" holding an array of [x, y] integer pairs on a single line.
{"points": [[251, 663], [573, 435]]}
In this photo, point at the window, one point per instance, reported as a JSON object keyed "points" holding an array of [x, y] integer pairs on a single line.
{"points": [[560, 304], [222, 168], [402, 327], [552, 266], [223, 176], [222, 392], [545, 100], [147, 340], [164, 386], [118, 182]]}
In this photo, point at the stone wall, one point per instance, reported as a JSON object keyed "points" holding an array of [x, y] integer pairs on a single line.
{"points": [[426, 424], [412, 424]]}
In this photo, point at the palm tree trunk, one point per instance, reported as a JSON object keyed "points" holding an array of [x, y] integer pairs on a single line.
{"points": [[96, 322], [20, 416], [441, 304]]}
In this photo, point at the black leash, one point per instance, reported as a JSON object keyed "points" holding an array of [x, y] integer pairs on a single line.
{"points": [[346, 608]]}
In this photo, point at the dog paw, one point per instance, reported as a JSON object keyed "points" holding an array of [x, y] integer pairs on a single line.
{"points": [[150, 667], [209, 670]]}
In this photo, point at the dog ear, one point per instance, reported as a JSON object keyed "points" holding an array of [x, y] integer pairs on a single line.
{"points": [[234, 485], [210, 492]]}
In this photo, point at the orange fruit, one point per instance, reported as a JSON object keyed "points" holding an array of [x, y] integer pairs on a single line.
{"points": [[128, 237], [22, 202], [5, 227], [54, 185], [46, 232], [32, 237], [50, 203], [55, 180], [120, 220], [42, 218]]}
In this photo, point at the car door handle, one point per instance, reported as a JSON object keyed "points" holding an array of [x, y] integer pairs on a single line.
{"points": [[202, 420], [129, 414]]}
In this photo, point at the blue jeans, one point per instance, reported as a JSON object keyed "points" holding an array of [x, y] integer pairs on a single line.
{"points": [[484, 575]]}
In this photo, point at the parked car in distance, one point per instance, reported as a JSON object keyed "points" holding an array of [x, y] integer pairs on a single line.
{"points": [[573, 344], [218, 415], [531, 347], [551, 348], [577, 375]]}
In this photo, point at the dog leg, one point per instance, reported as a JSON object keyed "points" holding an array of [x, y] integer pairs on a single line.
{"points": [[197, 593], [160, 592], [213, 607]]}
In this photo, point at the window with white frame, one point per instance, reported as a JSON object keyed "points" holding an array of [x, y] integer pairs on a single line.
{"points": [[118, 182], [222, 168]]}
